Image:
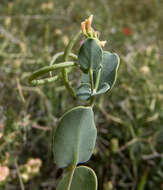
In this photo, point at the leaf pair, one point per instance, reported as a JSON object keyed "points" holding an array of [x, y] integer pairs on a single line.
{"points": [[74, 142], [104, 65]]}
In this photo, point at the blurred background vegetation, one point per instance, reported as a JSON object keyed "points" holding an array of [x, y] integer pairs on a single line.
{"points": [[129, 148]]}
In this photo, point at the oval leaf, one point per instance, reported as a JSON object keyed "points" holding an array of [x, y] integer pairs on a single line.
{"points": [[90, 55], [84, 178], [75, 137], [110, 64]]}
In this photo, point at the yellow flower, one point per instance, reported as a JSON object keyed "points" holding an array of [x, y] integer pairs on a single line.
{"points": [[102, 43], [88, 31], [86, 26]]}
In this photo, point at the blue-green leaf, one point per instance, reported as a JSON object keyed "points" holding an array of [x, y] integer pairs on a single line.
{"points": [[90, 55], [75, 137], [104, 88], [84, 91], [84, 178], [110, 64]]}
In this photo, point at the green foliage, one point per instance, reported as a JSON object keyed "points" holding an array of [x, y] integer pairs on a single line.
{"points": [[84, 91], [129, 119], [110, 64], [75, 136], [104, 77], [84, 178]]}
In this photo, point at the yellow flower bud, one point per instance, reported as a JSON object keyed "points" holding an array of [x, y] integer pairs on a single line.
{"points": [[102, 43], [83, 28]]}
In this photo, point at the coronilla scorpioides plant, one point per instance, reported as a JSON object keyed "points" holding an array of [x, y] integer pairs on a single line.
{"points": [[75, 135]]}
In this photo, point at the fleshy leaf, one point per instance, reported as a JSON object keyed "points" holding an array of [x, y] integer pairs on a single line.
{"points": [[85, 78], [84, 178], [104, 88], [110, 64], [90, 55], [75, 137], [109, 67], [84, 91]]}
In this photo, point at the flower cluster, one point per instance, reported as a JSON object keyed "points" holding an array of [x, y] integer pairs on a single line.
{"points": [[4, 173], [30, 169], [88, 31]]}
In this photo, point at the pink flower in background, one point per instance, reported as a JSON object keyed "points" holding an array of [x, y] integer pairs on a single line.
{"points": [[4, 173], [127, 31]]}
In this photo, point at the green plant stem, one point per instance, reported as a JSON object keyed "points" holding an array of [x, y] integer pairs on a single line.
{"points": [[71, 173], [57, 55], [91, 79], [46, 70], [92, 87], [143, 180], [98, 79], [65, 58], [70, 45], [44, 81], [92, 101]]}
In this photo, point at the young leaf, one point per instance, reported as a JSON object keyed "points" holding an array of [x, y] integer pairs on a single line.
{"points": [[84, 178], [90, 55], [75, 137], [104, 88], [110, 64]]}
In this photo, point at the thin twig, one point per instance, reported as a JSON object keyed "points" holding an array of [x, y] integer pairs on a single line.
{"points": [[41, 128], [133, 141], [152, 156], [19, 176], [20, 90], [8, 35]]}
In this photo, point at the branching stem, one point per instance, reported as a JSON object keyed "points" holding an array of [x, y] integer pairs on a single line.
{"points": [[33, 78], [57, 55], [65, 58]]}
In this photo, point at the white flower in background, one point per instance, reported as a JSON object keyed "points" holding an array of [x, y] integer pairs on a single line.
{"points": [[30, 169], [145, 69]]}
